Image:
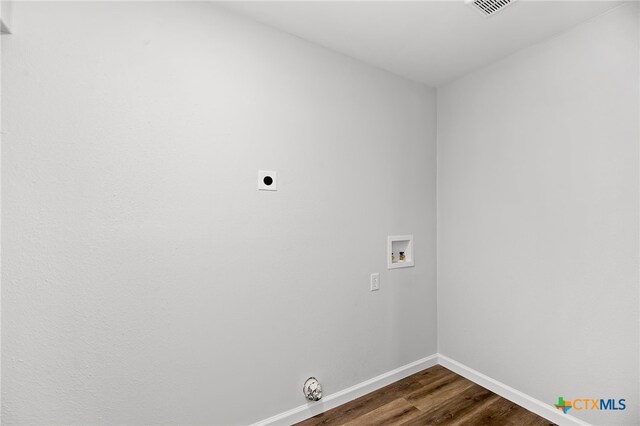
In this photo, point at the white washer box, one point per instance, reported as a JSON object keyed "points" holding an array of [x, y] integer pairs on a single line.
{"points": [[397, 244]]}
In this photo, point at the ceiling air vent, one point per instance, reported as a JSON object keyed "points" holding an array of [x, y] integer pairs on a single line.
{"points": [[488, 7]]}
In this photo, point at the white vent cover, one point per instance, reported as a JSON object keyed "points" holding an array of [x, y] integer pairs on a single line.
{"points": [[488, 7]]}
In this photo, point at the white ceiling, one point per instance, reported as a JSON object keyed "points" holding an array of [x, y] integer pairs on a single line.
{"points": [[434, 42]]}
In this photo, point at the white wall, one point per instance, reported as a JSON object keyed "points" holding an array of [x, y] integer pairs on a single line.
{"points": [[538, 217], [146, 280]]}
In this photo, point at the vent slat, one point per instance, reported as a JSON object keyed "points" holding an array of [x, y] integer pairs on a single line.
{"points": [[489, 7]]}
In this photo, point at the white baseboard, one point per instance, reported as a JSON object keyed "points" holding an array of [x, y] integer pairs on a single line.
{"points": [[328, 402], [535, 406]]}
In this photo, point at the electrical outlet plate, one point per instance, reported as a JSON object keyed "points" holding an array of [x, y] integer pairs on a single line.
{"points": [[267, 180], [375, 281]]}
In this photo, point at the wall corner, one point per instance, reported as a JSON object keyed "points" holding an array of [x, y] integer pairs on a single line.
{"points": [[5, 17]]}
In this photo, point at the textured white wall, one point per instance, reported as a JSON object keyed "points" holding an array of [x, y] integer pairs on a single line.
{"points": [[145, 278], [538, 217]]}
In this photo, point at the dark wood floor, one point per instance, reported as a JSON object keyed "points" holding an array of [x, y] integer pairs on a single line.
{"points": [[435, 396]]}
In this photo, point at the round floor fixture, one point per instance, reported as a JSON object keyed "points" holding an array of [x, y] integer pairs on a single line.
{"points": [[312, 389]]}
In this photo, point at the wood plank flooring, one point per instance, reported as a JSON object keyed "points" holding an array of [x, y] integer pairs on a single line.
{"points": [[435, 396]]}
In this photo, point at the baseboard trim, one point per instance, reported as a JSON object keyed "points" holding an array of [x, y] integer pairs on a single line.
{"points": [[311, 409], [535, 406]]}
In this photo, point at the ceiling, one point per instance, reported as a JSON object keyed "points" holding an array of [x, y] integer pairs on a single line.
{"points": [[433, 42]]}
